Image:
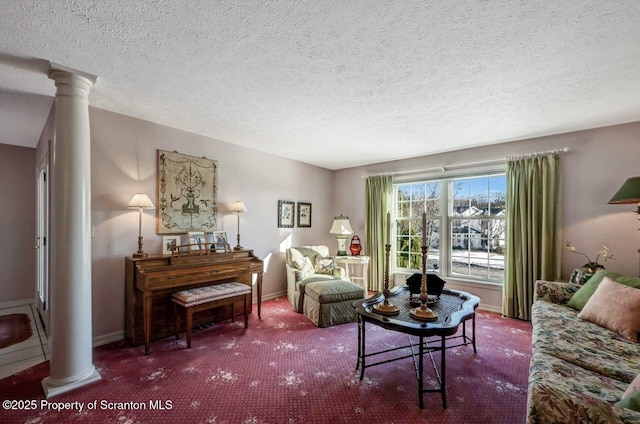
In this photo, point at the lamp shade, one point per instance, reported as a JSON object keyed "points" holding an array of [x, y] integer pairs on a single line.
{"points": [[140, 201], [341, 226], [628, 193], [238, 207]]}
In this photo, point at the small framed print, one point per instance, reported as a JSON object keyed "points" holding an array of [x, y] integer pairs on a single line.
{"points": [[197, 240], [169, 243], [220, 237], [286, 213], [304, 214]]}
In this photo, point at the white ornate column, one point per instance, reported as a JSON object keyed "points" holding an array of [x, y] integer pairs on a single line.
{"points": [[71, 363]]}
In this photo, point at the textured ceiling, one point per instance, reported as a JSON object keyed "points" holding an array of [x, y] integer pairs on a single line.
{"points": [[338, 83]]}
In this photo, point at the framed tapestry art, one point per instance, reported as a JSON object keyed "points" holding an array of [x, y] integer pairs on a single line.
{"points": [[304, 214], [187, 193], [286, 213]]}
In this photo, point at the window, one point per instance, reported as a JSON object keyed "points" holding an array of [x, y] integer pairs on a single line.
{"points": [[464, 231]]}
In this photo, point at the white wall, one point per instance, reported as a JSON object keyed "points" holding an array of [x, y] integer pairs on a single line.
{"points": [[598, 162], [124, 161], [17, 223]]}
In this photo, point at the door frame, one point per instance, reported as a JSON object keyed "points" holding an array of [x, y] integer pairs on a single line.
{"points": [[42, 240]]}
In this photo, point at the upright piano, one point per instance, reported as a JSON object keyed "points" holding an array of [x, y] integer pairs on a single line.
{"points": [[150, 281]]}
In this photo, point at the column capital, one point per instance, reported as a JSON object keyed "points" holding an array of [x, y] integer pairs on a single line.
{"points": [[70, 81]]}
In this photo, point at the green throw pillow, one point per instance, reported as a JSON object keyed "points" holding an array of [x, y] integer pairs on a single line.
{"points": [[580, 298], [630, 402]]}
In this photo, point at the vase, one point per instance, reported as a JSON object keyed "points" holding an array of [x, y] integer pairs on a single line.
{"points": [[581, 275], [591, 267]]}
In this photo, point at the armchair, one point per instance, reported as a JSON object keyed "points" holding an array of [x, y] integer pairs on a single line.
{"points": [[299, 273]]}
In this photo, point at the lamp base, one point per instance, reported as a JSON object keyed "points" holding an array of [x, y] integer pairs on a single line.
{"points": [[342, 246], [238, 248], [140, 255]]}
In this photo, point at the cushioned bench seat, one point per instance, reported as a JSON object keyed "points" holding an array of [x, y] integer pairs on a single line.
{"points": [[209, 297]]}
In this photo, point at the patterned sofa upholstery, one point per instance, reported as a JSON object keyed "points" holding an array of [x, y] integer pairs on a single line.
{"points": [[578, 369], [296, 280]]}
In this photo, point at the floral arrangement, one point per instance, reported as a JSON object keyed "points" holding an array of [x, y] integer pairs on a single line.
{"points": [[604, 253]]}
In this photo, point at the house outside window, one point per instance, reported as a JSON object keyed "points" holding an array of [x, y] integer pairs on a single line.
{"points": [[465, 229]]}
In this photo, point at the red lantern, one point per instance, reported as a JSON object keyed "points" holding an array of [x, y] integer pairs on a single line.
{"points": [[355, 246]]}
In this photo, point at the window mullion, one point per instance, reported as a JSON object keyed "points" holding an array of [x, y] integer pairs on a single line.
{"points": [[445, 229]]}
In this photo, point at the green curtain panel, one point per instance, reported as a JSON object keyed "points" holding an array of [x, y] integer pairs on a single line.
{"points": [[378, 202], [533, 234]]}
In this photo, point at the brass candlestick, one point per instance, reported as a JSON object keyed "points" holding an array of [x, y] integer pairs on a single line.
{"points": [[386, 307], [423, 313]]}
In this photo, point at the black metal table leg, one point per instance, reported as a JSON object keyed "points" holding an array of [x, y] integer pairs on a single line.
{"points": [[359, 341], [420, 370], [473, 332], [443, 377], [362, 350]]}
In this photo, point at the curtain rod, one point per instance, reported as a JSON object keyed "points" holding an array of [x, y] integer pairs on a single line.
{"points": [[465, 165]]}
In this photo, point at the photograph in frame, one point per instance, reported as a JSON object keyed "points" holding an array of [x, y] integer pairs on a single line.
{"points": [[169, 243], [220, 237], [197, 240]]}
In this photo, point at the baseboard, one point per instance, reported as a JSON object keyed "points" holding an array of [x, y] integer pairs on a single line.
{"points": [[108, 338], [14, 303], [490, 308], [275, 295]]}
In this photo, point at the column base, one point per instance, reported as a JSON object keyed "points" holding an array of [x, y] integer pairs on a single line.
{"points": [[54, 388]]}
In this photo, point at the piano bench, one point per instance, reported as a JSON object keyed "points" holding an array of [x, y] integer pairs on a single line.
{"points": [[209, 297]]}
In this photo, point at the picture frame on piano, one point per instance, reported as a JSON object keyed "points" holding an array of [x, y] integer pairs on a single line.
{"points": [[197, 240], [220, 237], [220, 243], [169, 243]]}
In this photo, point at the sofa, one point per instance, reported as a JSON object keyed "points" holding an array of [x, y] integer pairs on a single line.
{"points": [[582, 371]]}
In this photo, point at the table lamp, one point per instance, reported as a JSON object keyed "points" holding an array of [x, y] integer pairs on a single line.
{"points": [[341, 228], [140, 201], [238, 207]]}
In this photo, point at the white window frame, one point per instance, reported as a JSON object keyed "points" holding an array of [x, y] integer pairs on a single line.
{"points": [[446, 202]]}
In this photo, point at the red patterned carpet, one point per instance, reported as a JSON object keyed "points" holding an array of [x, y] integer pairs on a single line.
{"points": [[285, 370]]}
